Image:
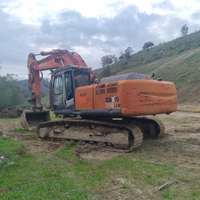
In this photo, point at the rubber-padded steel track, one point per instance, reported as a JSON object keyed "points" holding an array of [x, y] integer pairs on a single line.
{"points": [[135, 136], [150, 127]]}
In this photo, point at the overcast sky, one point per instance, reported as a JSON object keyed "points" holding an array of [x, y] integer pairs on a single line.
{"points": [[91, 28]]}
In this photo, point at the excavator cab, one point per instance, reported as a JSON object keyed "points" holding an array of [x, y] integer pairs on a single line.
{"points": [[64, 82]]}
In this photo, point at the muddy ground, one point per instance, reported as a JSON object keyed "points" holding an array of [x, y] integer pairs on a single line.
{"points": [[182, 130]]}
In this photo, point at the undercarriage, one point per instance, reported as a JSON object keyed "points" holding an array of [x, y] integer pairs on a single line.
{"points": [[124, 134]]}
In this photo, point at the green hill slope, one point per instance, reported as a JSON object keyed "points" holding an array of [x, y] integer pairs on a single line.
{"points": [[183, 70], [180, 69], [177, 61]]}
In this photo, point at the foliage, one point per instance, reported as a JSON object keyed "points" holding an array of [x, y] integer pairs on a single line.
{"points": [[106, 71], [126, 54], [9, 91], [14, 92], [147, 45], [184, 30], [121, 55], [44, 101], [108, 60], [25, 92]]}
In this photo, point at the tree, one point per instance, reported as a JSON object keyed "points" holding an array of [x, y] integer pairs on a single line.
{"points": [[115, 59], [122, 55], [108, 60], [184, 30], [128, 52], [147, 45], [106, 71], [10, 95]]}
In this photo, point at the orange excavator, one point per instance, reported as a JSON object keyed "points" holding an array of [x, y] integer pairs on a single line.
{"points": [[110, 112]]}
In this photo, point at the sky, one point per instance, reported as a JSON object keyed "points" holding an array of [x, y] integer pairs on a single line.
{"points": [[91, 28]]}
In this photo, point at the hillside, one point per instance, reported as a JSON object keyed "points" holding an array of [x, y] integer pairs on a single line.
{"points": [[176, 61], [181, 69]]}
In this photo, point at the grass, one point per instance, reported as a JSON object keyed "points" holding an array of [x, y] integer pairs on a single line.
{"points": [[52, 115], [171, 120], [22, 130], [9, 149], [10, 119], [62, 175]]}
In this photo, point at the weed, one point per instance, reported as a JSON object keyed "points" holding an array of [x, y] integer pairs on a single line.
{"points": [[22, 130], [126, 186]]}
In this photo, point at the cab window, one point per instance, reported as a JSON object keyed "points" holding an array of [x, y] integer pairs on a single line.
{"points": [[58, 89], [81, 79], [68, 85]]}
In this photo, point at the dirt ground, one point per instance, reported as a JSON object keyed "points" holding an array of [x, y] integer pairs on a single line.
{"points": [[182, 127]]}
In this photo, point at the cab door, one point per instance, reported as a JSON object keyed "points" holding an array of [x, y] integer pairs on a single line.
{"points": [[58, 96], [69, 91]]}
